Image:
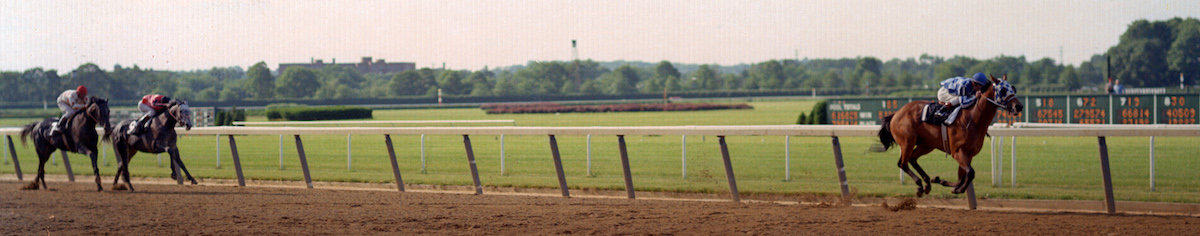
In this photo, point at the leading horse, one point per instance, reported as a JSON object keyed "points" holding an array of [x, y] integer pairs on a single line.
{"points": [[80, 137], [159, 138], [963, 139]]}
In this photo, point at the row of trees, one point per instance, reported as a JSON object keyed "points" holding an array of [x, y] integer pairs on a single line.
{"points": [[1150, 54]]}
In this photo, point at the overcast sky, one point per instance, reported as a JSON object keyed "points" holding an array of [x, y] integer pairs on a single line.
{"points": [[186, 35]]}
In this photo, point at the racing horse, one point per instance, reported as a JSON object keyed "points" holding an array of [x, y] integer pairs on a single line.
{"points": [[963, 138], [158, 138], [79, 137]]}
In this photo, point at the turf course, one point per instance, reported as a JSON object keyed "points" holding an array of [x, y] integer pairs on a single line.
{"points": [[1047, 167]]}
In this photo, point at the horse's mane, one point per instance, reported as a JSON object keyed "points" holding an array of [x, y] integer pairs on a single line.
{"points": [[107, 126]]}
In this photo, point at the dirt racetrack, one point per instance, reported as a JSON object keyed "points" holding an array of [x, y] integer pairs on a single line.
{"points": [[77, 209]]}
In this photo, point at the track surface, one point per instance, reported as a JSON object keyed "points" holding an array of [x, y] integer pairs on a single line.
{"points": [[76, 208]]}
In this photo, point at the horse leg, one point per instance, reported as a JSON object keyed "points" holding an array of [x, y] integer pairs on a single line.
{"points": [[40, 178], [966, 175], [120, 160], [904, 166], [921, 151], [95, 169], [174, 151]]}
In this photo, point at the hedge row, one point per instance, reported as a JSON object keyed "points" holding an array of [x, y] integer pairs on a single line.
{"points": [[227, 117], [549, 107], [318, 113]]}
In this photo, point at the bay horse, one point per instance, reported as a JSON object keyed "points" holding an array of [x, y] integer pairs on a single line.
{"points": [[80, 137], [965, 135], [158, 138]]}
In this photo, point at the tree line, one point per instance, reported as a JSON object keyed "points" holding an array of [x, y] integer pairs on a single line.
{"points": [[1149, 54]]}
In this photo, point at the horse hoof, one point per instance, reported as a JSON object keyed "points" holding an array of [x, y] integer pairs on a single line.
{"points": [[937, 179], [920, 193], [927, 190]]}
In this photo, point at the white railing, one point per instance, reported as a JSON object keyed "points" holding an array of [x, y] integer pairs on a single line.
{"points": [[391, 122], [833, 131]]}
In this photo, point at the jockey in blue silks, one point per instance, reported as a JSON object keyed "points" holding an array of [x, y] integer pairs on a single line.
{"points": [[959, 91]]}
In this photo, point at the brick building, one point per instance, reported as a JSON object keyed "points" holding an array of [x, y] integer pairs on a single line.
{"points": [[365, 66]]}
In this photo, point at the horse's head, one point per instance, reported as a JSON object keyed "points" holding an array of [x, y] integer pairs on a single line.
{"points": [[180, 111], [1005, 96], [97, 109]]}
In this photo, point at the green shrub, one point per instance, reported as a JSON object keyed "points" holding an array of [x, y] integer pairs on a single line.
{"points": [[803, 120], [318, 113], [820, 113], [227, 117]]}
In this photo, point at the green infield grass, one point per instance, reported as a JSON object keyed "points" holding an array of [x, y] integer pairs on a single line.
{"points": [[1046, 167]]}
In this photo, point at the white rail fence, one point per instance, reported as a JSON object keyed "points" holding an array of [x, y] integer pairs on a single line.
{"points": [[832, 131]]}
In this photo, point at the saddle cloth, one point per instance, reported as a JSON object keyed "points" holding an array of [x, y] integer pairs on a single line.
{"points": [[932, 113]]}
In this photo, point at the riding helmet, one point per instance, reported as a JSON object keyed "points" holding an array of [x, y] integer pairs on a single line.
{"points": [[980, 78], [82, 91]]}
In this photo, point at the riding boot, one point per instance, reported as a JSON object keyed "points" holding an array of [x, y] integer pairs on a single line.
{"points": [[941, 114], [137, 125], [60, 125]]}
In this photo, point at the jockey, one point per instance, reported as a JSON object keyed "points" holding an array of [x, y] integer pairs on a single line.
{"points": [[152, 105], [959, 91], [69, 102]]}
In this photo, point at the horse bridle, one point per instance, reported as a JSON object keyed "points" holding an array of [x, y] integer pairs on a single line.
{"points": [[172, 114], [1007, 101], [89, 114]]}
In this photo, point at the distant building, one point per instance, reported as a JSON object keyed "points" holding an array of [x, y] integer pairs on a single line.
{"points": [[366, 66]]}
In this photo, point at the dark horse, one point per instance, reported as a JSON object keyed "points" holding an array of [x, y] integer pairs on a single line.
{"points": [[965, 135], [80, 137], [159, 138]]}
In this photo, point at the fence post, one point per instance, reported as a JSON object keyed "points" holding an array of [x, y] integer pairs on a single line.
{"points": [[104, 154], [1109, 203], [502, 155], [395, 167], [16, 163], [218, 152], [303, 161], [562, 178], [971, 202], [67, 164], [422, 154], [1000, 160], [841, 168], [280, 152], [625, 166], [1012, 140], [348, 159], [237, 161], [471, 159], [995, 181], [787, 158], [684, 147], [733, 190], [159, 160], [1152, 163], [589, 155]]}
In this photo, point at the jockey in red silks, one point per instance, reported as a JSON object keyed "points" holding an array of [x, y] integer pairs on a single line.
{"points": [[152, 105], [69, 102]]}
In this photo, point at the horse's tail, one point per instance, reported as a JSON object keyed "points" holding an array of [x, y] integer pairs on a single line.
{"points": [[28, 129], [885, 133]]}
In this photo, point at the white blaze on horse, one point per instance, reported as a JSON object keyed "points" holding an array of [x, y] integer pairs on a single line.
{"points": [[963, 139]]}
